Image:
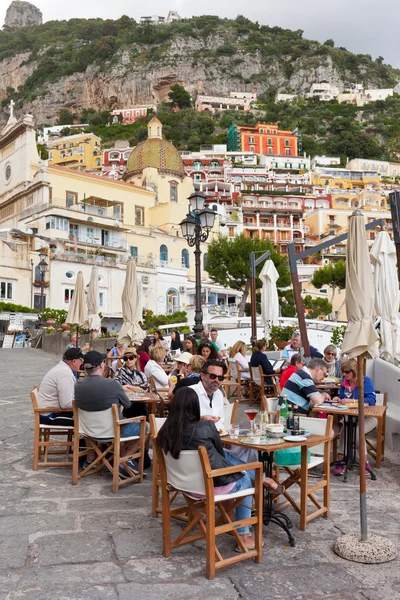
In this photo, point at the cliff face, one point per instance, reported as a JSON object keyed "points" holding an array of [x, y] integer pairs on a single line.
{"points": [[21, 14]]}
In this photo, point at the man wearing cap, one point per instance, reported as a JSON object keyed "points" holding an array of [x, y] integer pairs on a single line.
{"points": [[95, 393], [56, 389]]}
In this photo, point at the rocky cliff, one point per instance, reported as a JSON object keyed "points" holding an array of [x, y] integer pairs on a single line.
{"points": [[21, 14], [110, 64]]}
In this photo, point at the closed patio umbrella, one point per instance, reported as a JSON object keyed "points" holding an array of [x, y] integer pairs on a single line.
{"points": [[269, 296], [93, 305], [77, 313], [361, 341], [131, 332], [387, 297]]}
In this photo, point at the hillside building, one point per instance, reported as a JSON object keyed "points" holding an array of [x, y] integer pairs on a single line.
{"points": [[115, 160], [235, 101], [127, 116], [263, 138], [79, 151]]}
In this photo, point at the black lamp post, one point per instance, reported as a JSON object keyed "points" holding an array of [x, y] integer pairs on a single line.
{"points": [[42, 269], [195, 229]]}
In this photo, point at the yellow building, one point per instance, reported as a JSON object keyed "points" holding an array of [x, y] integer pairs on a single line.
{"points": [[346, 179], [80, 151]]}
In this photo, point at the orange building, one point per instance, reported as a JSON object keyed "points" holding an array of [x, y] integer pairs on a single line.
{"points": [[263, 138]]}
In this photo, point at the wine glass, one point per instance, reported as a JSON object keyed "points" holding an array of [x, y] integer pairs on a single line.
{"points": [[251, 414], [348, 393]]}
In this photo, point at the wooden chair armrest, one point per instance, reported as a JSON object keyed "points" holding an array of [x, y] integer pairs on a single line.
{"points": [[234, 469], [52, 409], [131, 420]]}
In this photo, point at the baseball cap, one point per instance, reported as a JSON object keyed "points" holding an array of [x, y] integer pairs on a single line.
{"points": [[184, 358], [72, 354], [93, 359]]}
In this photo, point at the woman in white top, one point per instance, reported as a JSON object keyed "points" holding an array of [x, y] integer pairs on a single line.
{"points": [[238, 354], [154, 368], [158, 340]]}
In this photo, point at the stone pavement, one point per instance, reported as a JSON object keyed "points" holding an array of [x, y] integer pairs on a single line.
{"points": [[64, 542]]}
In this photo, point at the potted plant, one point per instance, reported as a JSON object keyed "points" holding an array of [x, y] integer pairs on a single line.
{"points": [[280, 336]]}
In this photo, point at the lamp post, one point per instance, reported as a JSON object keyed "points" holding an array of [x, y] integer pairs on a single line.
{"points": [[42, 269], [195, 229]]}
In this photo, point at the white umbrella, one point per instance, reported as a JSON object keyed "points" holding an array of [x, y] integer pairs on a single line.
{"points": [[131, 332], [387, 297], [77, 314], [93, 304], [269, 296]]}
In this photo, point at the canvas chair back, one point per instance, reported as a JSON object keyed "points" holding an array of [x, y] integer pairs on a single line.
{"points": [[317, 427], [380, 399], [155, 424], [228, 409], [96, 424], [233, 369], [256, 375], [272, 404], [185, 473]]}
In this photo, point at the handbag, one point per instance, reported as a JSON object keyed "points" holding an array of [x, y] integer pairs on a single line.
{"points": [[289, 457]]}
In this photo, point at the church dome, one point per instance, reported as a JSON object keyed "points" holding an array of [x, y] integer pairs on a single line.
{"points": [[155, 152]]}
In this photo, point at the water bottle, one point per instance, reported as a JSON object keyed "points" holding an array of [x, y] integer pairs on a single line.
{"points": [[283, 412]]}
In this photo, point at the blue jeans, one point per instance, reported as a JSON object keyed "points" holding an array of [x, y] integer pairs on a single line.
{"points": [[132, 429], [236, 461], [243, 511]]}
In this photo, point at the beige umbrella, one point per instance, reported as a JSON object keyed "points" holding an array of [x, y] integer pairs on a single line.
{"points": [[269, 297], [93, 305], [77, 314], [131, 332], [360, 341]]}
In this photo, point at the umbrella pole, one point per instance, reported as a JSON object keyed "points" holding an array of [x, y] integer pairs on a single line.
{"points": [[77, 336], [91, 339], [361, 450]]}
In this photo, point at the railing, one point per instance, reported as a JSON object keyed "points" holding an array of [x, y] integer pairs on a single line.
{"points": [[90, 259], [114, 244]]}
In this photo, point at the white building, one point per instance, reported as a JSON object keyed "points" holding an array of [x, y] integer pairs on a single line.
{"points": [[324, 161], [55, 131], [282, 97], [323, 90]]}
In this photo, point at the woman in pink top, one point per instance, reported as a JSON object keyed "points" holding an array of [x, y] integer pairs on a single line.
{"points": [[144, 356]]}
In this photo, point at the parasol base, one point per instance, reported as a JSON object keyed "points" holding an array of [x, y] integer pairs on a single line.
{"points": [[376, 549]]}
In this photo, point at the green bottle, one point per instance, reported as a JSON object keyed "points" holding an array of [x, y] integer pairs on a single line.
{"points": [[283, 412]]}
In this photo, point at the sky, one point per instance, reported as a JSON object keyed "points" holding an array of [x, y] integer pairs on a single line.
{"points": [[361, 26]]}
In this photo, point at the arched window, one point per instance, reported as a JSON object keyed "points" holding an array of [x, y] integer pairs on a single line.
{"points": [[205, 256], [185, 258], [163, 253], [172, 300]]}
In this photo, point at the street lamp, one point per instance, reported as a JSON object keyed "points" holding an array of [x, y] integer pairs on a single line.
{"points": [[195, 229], [42, 270]]}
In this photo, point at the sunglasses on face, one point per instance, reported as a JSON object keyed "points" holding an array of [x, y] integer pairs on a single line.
{"points": [[346, 372], [213, 376], [126, 358], [331, 353]]}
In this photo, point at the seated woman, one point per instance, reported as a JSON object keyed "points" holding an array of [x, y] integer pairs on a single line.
{"points": [[132, 380], [296, 362], [207, 350], [259, 358], [185, 430], [238, 353], [158, 340], [144, 356], [350, 384], [191, 345], [192, 375], [176, 343], [154, 367], [332, 361]]}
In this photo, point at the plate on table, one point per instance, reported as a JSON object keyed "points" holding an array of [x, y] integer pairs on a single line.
{"points": [[295, 438], [260, 440]]}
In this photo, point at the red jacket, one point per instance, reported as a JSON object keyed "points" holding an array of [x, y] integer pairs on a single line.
{"points": [[286, 374]]}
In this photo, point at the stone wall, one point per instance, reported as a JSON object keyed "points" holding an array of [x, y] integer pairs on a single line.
{"points": [[55, 343]]}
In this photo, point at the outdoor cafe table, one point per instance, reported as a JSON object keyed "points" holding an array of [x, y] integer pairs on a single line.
{"points": [[350, 423], [266, 456], [151, 399]]}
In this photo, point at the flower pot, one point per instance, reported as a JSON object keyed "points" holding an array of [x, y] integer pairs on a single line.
{"points": [[65, 327], [281, 345], [50, 322]]}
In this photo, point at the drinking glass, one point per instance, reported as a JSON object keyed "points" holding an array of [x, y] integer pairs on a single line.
{"points": [[251, 415], [263, 416], [234, 432]]}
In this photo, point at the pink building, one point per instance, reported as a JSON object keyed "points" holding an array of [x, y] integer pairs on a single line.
{"points": [[115, 159], [130, 115]]}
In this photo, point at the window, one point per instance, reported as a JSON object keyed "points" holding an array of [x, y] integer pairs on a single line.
{"points": [[287, 152], [133, 250], [269, 141], [197, 165], [37, 302], [251, 140], [81, 149], [127, 114], [172, 300], [70, 274], [214, 163], [163, 253], [71, 197], [57, 223], [114, 156], [90, 232], [98, 162], [101, 299], [205, 256], [139, 215], [117, 211], [185, 258], [6, 290], [75, 151], [50, 156], [287, 143], [173, 193], [231, 232], [269, 150], [68, 293], [71, 144]]}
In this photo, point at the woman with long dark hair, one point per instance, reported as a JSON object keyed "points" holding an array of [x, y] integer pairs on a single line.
{"points": [[176, 343], [144, 354], [191, 345], [158, 340], [207, 350], [183, 430]]}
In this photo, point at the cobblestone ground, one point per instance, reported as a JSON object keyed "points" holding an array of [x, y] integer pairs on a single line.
{"points": [[64, 542]]}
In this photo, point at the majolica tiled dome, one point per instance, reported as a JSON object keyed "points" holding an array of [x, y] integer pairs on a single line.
{"points": [[155, 152]]}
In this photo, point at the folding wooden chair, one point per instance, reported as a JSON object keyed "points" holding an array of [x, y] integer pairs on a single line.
{"points": [[230, 413], [44, 444], [155, 425], [191, 475], [319, 455], [376, 449], [270, 405], [101, 431]]}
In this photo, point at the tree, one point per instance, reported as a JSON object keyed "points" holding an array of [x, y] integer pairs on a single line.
{"points": [[333, 275], [317, 306], [228, 263], [65, 117], [180, 97], [330, 43]]}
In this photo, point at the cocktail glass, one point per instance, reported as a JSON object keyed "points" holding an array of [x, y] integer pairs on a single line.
{"points": [[251, 414]]}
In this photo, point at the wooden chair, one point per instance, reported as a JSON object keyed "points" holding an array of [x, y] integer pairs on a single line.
{"points": [[270, 405], [162, 394], [259, 387], [230, 413], [43, 445], [191, 474], [101, 431], [319, 455], [155, 424], [376, 448], [235, 374], [229, 383]]}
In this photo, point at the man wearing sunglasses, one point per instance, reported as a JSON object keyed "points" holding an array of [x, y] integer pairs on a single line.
{"points": [[210, 396]]}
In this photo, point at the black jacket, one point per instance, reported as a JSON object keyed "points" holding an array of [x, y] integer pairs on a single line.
{"points": [[204, 433]]}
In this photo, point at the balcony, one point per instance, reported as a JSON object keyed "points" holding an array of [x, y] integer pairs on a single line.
{"points": [[118, 244], [89, 259]]}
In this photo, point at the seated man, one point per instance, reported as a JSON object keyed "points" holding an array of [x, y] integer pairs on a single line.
{"points": [[210, 396], [57, 388], [72, 343], [95, 393], [295, 346], [300, 388]]}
